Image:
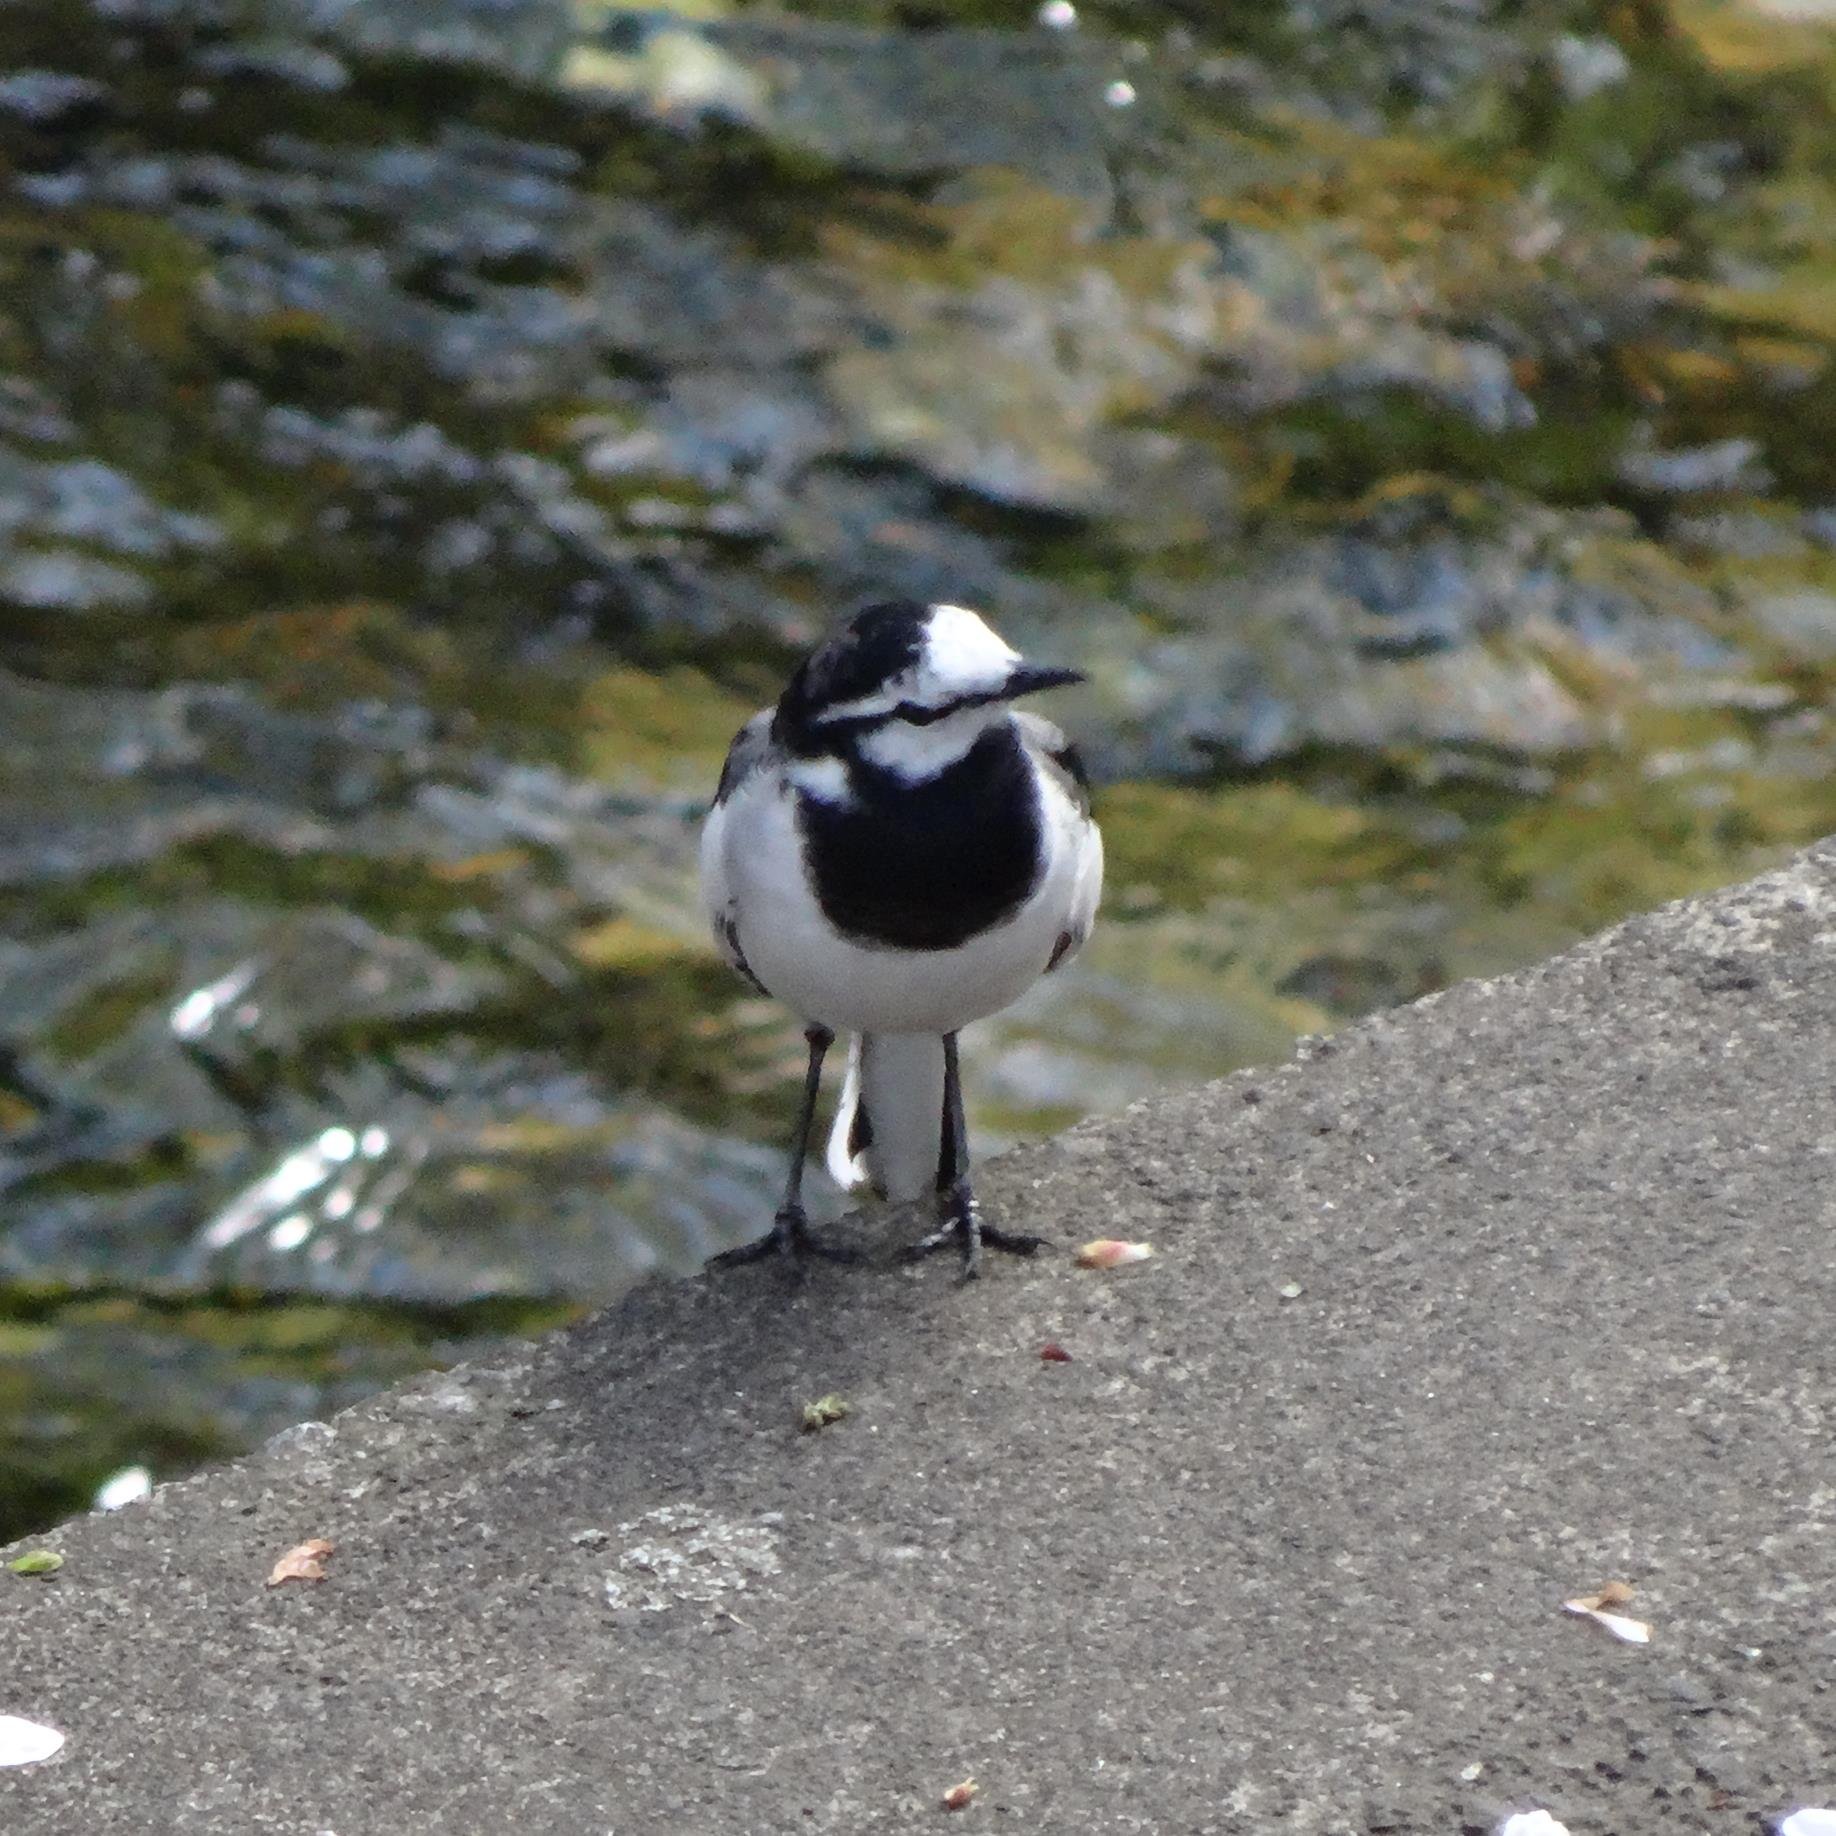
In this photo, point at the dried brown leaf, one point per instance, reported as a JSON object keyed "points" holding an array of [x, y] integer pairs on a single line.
{"points": [[304, 1562], [1603, 1600], [1600, 1606], [1112, 1253]]}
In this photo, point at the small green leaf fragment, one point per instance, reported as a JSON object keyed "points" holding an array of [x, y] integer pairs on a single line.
{"points": [[37, 1562], [823, 1411]]}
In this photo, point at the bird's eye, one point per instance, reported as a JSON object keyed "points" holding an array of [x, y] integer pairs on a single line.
{"points": [[921, 716]]}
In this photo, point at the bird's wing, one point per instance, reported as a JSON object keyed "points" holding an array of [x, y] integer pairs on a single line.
{"points": [[751, 745], [1047, 742], [745, 757], [1063, 767]]}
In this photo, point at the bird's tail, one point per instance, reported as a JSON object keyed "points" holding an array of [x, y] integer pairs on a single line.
{"points": [[889, 1128]]}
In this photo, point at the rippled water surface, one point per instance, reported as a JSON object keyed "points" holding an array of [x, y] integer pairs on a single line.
{"points": [[427, 430]]}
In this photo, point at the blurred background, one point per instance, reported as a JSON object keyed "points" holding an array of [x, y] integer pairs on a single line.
{"points": [[428, 427]]}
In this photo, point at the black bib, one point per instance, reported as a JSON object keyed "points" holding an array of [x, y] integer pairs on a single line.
{"points": [[927, 866]]}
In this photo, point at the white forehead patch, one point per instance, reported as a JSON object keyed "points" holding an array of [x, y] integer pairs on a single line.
{"points": [[961, 655]]}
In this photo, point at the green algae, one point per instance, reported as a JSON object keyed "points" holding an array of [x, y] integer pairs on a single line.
{"points": [[1273, 841], [92, 1383], [666, 728]]}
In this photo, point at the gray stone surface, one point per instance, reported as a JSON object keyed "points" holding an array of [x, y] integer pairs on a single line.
{"points": [[1467, 1310]]}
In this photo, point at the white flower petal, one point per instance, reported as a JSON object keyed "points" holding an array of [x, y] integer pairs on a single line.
{"points": [[25, 1743], [1808, 1823], [1633, 1631], [1532, 1823]]}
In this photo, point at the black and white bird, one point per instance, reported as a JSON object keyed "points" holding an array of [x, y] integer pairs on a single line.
{"points": [[894, 851]]}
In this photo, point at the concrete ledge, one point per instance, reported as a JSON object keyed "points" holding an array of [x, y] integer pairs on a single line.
{"points": [[1467, 1310]]}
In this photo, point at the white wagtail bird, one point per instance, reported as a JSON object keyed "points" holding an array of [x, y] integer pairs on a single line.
{"points": [[896, 850]]}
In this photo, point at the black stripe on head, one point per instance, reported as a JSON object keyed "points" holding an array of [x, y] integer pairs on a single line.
{"points": [[877, 644]]}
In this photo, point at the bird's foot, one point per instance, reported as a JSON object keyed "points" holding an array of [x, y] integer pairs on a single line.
{"points": [[964, 1229], [790, 1236]]}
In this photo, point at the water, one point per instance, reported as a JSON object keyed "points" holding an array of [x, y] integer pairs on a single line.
{"points": [[423, 441]]}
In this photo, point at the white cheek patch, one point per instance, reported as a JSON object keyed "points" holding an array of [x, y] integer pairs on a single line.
{"points": [[824, 779], [962, 656], [922, 752]]}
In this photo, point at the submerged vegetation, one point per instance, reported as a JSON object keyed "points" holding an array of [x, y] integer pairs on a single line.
{"points": [[427, 428]]}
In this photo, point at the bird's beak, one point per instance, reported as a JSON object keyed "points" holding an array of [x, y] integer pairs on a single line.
{"points": [[1028, 679]]}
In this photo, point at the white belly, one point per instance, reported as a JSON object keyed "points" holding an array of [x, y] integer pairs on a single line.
{"points": [[852, 987]]}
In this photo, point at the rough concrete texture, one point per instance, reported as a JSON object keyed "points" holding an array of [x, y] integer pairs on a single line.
{"points": [[1468, 1310]]}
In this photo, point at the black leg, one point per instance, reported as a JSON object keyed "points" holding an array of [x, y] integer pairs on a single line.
{"points": [[790, 1233], [963, 1224]]}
